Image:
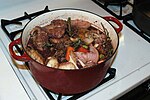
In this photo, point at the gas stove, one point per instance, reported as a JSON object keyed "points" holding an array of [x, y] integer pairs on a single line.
{"points": [[123, 10], [13, 29], [132, 58], [117, 8]]}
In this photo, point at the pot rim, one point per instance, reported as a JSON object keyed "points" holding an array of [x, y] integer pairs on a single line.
{"points": [[115, 50]]}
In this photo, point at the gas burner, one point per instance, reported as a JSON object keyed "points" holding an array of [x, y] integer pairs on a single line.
{"points": [[19, 23], [122, 9], [117, 8], [13, 29], [128, 21]]}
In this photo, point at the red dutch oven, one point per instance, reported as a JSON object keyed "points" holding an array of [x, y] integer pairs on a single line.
{"points": [[68, 81]]}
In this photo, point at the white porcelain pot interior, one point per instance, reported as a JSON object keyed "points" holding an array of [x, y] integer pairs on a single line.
{"points": [[46, 19]]}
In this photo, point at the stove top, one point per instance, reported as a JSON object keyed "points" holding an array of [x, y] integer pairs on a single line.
{"points": [[123, 10], [16, 32], [132, 58], [128, 21], [119, 9]]}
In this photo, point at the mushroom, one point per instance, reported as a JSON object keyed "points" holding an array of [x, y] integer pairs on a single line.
{"points": [[67, 65], [52, 62]]}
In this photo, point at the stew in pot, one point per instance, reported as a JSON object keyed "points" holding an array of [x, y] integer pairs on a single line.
{"points": [[69, 44]]}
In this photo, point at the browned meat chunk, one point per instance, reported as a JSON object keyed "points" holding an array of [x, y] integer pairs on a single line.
{"points": [[39, 38], [60, 47], [64, 39], [39, 41], [56, 29], [56, 32], [59, 23]]}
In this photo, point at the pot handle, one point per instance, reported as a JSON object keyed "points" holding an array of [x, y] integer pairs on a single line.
{"points": [[23, 57], [115, 20]]}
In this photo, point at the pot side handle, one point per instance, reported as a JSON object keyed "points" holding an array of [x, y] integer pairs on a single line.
{"points": [[23, 57], [115, 20]]}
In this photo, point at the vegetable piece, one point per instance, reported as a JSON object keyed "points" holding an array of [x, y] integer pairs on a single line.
{"points": [[85, 46], [74, 39], [86, 36], [92, 55], [73, 59], [81, 62], [52, 62], [36, 56], [69, 49], [67, 65], [105, 30], [96, 45], [101, 56], [82, 49], [88, 40]]}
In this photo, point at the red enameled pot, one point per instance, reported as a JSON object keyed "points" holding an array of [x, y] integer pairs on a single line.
{"points": [[68, 81]]}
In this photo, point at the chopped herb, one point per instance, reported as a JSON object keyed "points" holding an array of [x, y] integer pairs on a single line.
{"points": [[105, 30], [77, 43], [48, 44], [110, 51], [69, 27], [85, 46], [101, 56]]}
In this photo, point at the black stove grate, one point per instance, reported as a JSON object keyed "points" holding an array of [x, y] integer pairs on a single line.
{"points": [[12, 35], [118, 3], [128, 21], [18, 21], [127, 18]]}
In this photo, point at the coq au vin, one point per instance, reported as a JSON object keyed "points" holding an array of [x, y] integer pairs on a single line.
{"points": [[69, 44]]}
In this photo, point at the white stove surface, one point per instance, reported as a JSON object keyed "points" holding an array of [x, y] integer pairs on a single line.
{"points": [[132, 62]]}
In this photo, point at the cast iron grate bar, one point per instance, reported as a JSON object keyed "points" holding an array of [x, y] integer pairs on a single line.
{"points": [[59, 96], [120, 3], [139, 32], [27, 16], [48, 93], [16, 21], [12, 35]]}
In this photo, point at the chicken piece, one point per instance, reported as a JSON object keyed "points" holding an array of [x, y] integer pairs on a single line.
{"points": [[39, 38], [56, 29], [55, 32], [59, 23], [65, 39]]}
